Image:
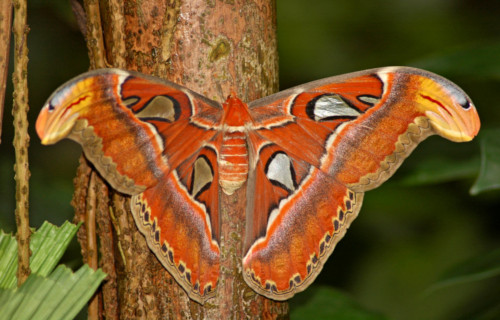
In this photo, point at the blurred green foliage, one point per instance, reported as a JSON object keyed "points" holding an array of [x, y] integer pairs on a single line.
{"points": [[414, 228], [323, 302]]}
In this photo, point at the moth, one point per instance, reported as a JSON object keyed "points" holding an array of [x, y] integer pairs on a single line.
{"points": [[306, 154]]}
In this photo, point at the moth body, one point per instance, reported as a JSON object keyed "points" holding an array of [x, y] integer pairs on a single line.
{"points": [[233, 162], [233, 156]]}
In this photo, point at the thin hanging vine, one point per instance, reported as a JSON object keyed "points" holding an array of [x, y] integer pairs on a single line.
{"points": [[21, 137]]}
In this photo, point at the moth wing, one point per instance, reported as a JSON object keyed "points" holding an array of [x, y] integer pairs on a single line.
{"points": [[149, 138], [318, 147]]}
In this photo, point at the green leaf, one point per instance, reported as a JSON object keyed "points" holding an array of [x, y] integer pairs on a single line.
{"points": [[439, 170], [321, 302], [57, 297], [47, 245], [489, 175], [478, 268], [8, 260]]}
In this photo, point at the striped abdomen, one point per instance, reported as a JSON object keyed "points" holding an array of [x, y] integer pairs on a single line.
{"points": [[233, 161]]}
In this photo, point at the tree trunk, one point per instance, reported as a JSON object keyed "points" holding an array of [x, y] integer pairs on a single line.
{"points": [[212, 47]]}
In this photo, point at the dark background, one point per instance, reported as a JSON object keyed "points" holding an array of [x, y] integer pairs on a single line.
{"points": [[410, 230]]}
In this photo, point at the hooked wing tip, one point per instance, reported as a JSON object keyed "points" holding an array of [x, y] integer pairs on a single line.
{"points": [[448, 108], [451, 112]]}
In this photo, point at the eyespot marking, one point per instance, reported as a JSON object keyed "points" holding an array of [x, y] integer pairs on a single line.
{"points": [[161, 108], [203, 175], [279, 170], [329, 107]]}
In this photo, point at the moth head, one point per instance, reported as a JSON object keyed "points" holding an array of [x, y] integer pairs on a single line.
{"points": [[61, 111], [235, 111], [448, 108]]}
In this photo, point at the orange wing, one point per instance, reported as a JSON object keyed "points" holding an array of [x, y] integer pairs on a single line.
{"points": [[148, 138], [318, 147]]}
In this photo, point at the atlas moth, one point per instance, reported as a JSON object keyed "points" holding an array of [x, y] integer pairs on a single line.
{"points": [[306, 154]]}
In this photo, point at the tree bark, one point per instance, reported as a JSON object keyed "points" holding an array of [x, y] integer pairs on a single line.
{"points": [[212, 47]]}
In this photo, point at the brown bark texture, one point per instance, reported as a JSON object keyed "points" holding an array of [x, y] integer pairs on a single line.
{"points": [[210, 46]]}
